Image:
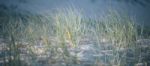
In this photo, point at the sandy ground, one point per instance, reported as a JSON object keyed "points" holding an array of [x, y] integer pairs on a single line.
{"points": [[87, 53]]}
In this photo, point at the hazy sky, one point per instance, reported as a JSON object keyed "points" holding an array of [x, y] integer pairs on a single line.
{"points": [[88, 7]]}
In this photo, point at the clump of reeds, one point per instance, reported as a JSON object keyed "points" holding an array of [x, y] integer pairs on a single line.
{"points": [[121, 32], [62, 31]]}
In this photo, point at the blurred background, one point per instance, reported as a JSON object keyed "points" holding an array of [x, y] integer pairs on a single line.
{"points": [[138, 9]]}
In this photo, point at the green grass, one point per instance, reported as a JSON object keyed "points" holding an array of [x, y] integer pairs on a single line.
{"points": [[121, 32], [66, 29]]}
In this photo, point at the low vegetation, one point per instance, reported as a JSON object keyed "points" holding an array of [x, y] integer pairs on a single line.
{"points": [[42, 40]]}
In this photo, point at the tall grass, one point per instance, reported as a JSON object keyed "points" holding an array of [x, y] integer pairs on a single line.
{"points": [[69, 26], [121, 32], [55, 35], [11, 29], [69, 30]]}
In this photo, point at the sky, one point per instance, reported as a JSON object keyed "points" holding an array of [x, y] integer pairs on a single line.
{"points": [[89, 8]]}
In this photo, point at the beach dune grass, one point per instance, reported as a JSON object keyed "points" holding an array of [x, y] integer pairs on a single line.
{"points": [[56, 34]]}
